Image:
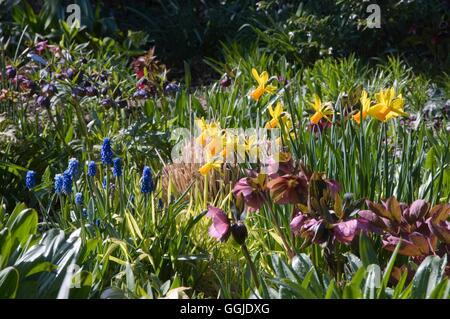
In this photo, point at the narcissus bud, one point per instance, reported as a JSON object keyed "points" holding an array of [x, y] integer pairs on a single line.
{"points": [[239, 232]]}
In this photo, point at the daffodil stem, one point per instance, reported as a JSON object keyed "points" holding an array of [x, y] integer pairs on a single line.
{"points": [[205, 191], [386, 161], [288, 249]]}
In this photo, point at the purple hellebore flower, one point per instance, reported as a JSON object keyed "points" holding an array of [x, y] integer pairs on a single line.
{"points": [[417, 226], [252, 190], [344, 232], [333, 186], [313, 230], [220, 228], [289, 189], [297, 222], [281, 166]]}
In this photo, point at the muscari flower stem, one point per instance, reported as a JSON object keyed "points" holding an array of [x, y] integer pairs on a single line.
{"points": [[250, 264], [63, 214], [107, 195]]}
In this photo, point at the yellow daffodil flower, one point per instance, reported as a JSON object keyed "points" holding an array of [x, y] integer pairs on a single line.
{"points": [[388, 105], [201, 124], [252, 147], [275, 114], [214, 146], [231, 145], [207, 131], [365, 105], [202, 139], [262, 88], [206, 168], [322, 111]]}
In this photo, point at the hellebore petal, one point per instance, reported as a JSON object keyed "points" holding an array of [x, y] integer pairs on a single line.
{"points": [[288, 189], [284, 165], [333, 186], [297, 223], [220, 228], [314, 231], [243, 187], [345, 232], [372, 218], [252, 191]]}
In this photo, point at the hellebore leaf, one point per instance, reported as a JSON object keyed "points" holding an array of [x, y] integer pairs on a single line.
{"points": [[378, 209], [418, 210], [440, 213], [421, 242], [394, 208], [301, 264]]}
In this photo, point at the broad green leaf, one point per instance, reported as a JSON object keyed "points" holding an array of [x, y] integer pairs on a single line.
{"points": [[367, 253], [428, 276], [24, 225], [9, 282]]}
